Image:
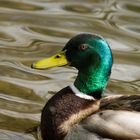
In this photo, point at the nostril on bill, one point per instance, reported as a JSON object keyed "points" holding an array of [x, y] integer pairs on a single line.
{"points": [[57, 56]]}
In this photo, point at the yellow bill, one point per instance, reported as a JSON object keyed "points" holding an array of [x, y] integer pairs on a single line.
{"points": [[54, 61]]}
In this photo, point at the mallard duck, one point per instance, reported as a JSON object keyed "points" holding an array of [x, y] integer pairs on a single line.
{"points": [[80, 111]]}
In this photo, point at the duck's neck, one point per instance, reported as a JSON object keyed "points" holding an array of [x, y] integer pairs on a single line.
{"points": [[93, 78]]}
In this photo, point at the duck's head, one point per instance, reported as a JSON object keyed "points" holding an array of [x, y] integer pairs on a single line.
{"points": [[91, 55]]}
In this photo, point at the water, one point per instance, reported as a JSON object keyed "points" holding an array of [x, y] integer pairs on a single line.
{"points": [[34, 29]]}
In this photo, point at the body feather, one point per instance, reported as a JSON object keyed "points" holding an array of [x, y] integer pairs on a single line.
{"points": [[118, 118]]}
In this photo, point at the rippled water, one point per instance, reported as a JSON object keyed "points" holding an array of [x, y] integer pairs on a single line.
{"points": [[34, 29]]}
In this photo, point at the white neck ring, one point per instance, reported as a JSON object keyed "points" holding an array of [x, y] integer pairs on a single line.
{"points": [[80, 94]]}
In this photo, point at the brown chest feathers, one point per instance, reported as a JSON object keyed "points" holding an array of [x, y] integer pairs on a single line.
{"points": [[63, 111]]}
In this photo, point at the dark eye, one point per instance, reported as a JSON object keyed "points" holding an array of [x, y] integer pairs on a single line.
{"points": [[83, 47]]}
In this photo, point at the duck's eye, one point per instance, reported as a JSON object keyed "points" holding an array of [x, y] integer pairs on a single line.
{"points": [[83, 47]]}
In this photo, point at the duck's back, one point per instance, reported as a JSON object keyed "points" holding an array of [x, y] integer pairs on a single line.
{"points": [[118, 118]]}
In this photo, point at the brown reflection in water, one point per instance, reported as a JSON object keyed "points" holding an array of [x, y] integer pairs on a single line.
{"points": [[19, 5]]}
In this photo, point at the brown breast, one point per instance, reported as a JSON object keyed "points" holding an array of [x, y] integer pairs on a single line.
{"points": [[63, 111]]}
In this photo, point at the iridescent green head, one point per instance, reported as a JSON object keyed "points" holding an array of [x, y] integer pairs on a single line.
{"points": [[91, 55]]}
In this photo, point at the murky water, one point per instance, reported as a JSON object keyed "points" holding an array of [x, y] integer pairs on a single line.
{"points": [[34, 29]]}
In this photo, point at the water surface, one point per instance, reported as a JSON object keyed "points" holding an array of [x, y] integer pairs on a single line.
{"points": [[34, 29]]}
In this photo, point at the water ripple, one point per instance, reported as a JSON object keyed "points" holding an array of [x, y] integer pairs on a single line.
{"points": [[19, 5], [11, 135]]}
